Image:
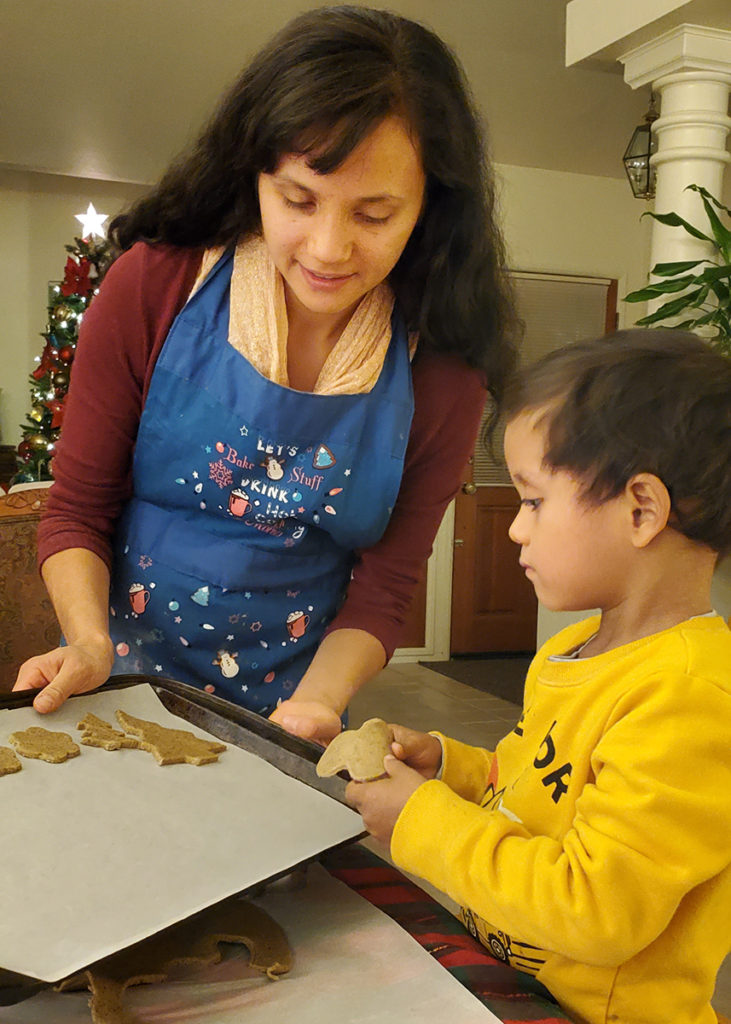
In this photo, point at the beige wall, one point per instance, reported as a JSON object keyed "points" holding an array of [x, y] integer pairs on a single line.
{"points": [[575, 224], [565, 223]]}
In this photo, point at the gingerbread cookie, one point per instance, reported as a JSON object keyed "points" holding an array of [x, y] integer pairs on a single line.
{"points": [[95, 732], [54, 747], [170, 746], [9, 763], [359, 751], [192, 942]]}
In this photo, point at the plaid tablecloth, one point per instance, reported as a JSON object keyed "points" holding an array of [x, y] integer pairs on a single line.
{"points": [[514, 997]]}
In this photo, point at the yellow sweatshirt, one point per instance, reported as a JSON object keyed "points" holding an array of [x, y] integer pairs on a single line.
{"points": [[596, 840]]}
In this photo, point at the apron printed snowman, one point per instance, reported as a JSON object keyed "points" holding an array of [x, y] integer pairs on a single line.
{"points": [[250, 500], [226, 661]]}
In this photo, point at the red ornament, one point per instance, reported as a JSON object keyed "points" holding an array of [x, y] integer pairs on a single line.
{"points": [[58, 407], [25, 452], [48, 362], [66, 354]]}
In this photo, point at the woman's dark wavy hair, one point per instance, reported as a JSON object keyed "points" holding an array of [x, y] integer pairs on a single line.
{"points": [[319, 87], [639, 401]]}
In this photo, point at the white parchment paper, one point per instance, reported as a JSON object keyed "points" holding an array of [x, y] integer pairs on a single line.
{"points": [[109, 847], [352, 965]]}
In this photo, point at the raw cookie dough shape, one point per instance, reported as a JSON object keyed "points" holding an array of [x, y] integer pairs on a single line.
{"points": [[359, 751], [53, 747], [170, 746], [95, 732], [9, 763], [192, 942]]}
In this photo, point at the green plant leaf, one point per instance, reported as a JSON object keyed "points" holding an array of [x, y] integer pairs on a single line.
{"points": [[701, 287], [670, 269], [671, 308], [707, 318], [651, 291], [674, 221], [704, 192], [685, 325], [721, 233], [713, 274], [724, 322], [722, 293]]}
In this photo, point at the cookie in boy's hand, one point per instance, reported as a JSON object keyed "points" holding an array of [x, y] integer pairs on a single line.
{"points": [[54, 747], [359, 751]]}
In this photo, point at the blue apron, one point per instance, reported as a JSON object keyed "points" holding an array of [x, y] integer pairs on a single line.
{"points": [[250, 500]]}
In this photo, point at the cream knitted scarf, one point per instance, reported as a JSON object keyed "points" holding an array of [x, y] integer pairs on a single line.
{"points": [[258, 324]]}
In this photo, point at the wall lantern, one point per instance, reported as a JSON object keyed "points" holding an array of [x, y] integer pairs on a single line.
{"points": [[636, 158]]}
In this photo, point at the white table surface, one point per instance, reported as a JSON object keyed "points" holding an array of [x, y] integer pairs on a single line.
{"points": [[353, 965]]}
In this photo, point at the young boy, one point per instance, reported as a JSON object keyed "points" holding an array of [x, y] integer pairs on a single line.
{"points": [[594, 845]]}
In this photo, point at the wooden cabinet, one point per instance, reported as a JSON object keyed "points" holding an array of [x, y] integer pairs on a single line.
{"points": [[28, 624], [8, 465]]}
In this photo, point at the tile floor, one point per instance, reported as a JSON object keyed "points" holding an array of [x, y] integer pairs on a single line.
{"points": [[423, 699]]}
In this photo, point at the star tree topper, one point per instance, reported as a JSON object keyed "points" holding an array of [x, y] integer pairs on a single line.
{"points": [[91, 222]]}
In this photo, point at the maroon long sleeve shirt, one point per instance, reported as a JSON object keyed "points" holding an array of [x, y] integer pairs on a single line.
{"points": [[120, 339]]}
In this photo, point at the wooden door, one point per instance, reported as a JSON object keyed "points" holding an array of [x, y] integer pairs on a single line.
{"points": [[493, 604], [494, 607]]}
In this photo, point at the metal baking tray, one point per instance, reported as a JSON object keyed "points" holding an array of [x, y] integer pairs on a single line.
{"points": [[229, 723]]}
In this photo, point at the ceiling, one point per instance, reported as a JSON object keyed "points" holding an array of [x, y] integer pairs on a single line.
{"points": [[113, 89]]}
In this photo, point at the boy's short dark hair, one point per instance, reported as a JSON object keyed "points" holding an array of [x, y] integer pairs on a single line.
{"points": [[640, 401]]}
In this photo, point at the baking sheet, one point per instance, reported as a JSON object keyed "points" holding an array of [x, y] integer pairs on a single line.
{"points": [[352, 965], [109, 847]]}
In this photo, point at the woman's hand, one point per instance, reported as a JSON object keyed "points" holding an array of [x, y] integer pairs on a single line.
{"points": [[418, 750], [57, 674], [344, 660], [310, 719], [379, 803], [78, 583]]}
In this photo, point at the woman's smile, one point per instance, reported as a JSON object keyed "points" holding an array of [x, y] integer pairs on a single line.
{"points": [[325, 282]]}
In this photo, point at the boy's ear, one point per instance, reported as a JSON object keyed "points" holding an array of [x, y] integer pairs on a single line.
{"points": [[649, 504]]}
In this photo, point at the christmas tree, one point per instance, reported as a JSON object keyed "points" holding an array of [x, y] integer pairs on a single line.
{"points": [[88, 261]]}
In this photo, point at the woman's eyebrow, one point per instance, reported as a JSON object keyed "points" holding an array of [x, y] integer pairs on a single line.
{"points": [[284, 179], [381, 197]]}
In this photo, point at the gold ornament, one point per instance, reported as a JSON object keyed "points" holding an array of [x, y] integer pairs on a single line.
{"points": [[36, 413], [60, 380], [38, 442], [61, 312]]}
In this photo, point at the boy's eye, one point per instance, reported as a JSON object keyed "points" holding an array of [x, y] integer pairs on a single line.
{"points": [[531, 503]]}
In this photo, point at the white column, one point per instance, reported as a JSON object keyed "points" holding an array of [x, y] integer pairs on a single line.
{"points": [[689, 69]]}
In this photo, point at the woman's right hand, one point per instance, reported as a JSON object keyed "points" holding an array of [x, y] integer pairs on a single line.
{"points": [[418, 750], [80, 667]]}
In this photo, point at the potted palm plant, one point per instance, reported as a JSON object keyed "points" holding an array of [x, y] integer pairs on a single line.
{"points": [[698, 291]]}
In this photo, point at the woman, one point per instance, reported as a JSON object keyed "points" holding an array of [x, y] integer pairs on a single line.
{"points": [[280, 381]]}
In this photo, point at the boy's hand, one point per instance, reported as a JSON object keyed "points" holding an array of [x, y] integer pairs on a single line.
{"points": [[418, 750], [379, 803]]}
